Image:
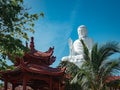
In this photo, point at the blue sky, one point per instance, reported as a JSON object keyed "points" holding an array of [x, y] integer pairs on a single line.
{"points": [[62, 18]]}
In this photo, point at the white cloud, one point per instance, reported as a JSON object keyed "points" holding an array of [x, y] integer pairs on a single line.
{"points": [[75, 11], [52, 34]]}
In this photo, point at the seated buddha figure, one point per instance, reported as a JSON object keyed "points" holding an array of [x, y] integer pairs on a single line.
{"points": [[76, 47]]}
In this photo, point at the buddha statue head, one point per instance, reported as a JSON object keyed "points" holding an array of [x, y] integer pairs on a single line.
{"points": [[82, 31]]}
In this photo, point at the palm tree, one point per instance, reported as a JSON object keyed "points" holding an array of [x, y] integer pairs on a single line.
{"points": [[95, 69], [97, 66]]}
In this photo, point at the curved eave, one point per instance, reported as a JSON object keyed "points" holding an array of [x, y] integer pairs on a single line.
{"points": [[9, 72], [45, 71], [29, 56], [34, 69], [39, 60], [42, 55]]}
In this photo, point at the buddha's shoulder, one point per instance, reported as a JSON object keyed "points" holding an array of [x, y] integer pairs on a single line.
{"points": [[89, 39], [86, 39], [77, 41]]}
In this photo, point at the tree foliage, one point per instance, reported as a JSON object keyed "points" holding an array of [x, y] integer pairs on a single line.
{"points": [[15, 23]]}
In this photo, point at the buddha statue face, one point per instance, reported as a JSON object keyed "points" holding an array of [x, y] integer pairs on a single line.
{"points": [[82, 31]]}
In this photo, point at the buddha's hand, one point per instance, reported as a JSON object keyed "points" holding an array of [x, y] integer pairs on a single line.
{"points": [[70, 43]]}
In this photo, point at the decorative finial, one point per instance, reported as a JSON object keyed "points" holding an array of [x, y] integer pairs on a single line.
{"points": [[26, 44], [32, 43]]}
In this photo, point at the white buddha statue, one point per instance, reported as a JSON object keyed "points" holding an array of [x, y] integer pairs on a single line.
{"points": [[76, 48]]}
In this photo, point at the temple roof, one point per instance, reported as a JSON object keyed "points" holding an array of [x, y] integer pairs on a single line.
{"points": [[35, 62], [39, 54], [38, 57], [32, 68]]}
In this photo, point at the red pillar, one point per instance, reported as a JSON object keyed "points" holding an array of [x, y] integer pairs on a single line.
{"points": [[59, 85], [13, 86], [51, 82], [24, 83]]}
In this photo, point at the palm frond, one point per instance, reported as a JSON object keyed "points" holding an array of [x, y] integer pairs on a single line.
{"points": [[94, 58], [86, 51], [71, 68], [108, 49], [108, 68]]}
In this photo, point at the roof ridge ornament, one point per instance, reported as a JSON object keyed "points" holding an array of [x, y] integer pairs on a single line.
{"points": [[26, 44], [32, 44]]}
